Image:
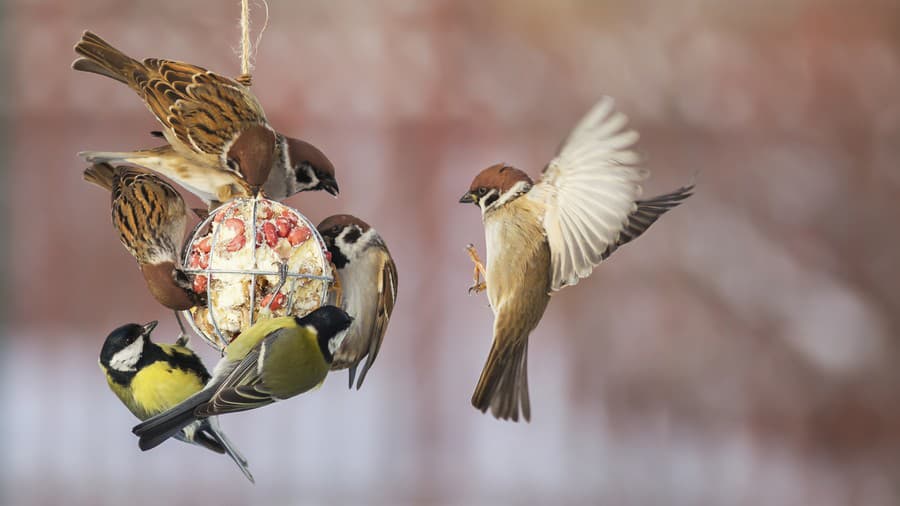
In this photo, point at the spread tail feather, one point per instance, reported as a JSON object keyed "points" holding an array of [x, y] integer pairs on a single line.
{"points": [[157, 429], [100, 174], [99, 57], [503, 386], [99, 157]]}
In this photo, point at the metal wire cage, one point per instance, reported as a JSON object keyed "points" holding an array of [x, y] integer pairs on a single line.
{"points": [[278, 266]]}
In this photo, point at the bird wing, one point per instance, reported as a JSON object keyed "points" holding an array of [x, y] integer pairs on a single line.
{"points": [[286, 362], [588, 192], [202, 109], [387, 296], [240, 390], [149, 214]]}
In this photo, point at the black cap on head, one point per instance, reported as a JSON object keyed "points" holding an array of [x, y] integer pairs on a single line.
{"points": [[122, 337], [328, 321]]}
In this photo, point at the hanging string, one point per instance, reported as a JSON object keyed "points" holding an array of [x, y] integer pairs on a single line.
{"points": [[246, 49]]}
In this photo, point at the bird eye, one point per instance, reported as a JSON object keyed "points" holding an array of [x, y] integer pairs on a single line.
{"points": [[335, 229], [232, 164], [482, 191]]}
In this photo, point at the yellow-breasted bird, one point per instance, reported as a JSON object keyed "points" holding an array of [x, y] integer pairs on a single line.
{"points": [[150, 216], [544, 236], [150, 378], [273, 360], [220, 144]]}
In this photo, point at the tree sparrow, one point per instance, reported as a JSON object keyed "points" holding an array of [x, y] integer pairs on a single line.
{"points": [[150, 217], [542, 237], [220, 144], [368, 280]]}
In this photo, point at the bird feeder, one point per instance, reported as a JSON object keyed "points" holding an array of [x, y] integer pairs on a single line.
{"points": [[254, 258]]}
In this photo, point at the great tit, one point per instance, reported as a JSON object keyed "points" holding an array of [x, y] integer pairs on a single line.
{"points": [[151, 378], [273, 360]]}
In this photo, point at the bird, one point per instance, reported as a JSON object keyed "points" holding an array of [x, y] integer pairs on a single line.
{"points": [[220, 144], [150, 378], [150, 217], [541, 237], [275, 359], [368, 279]]}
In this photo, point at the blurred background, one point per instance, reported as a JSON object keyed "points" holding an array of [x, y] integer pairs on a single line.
{"points": [[742, 352]]}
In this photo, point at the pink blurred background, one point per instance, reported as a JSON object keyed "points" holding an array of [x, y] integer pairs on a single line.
{"points": [[744, 351]]}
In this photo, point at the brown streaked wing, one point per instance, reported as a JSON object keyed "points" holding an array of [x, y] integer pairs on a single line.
{"points": [[143, 206], [203, 109], [386, 298]]}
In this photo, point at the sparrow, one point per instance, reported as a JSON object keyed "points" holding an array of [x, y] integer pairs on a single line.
{"points": [[220, 144], [150, 216], [275, 359], [150, 378], [368, 279], [545, 236]]}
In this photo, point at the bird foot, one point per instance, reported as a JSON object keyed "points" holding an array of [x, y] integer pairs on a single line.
{"points": [[479, 285], [477, 288], [183, 340]]}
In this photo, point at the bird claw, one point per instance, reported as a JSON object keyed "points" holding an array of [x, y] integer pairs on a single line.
{"points": [[480, 271], [183, 339]]}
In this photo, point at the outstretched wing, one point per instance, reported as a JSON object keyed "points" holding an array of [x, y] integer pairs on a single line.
{"points": [[589, 190]]}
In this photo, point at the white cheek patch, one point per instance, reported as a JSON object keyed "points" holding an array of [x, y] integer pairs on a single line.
{"points": [[127, 358], [355, 249], [516, 190], [313, 180], [334, 344], [485, 199]]}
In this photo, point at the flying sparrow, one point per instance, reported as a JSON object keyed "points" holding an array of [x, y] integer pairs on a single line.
{"points": [[150, 217], [368, 280], [220, 144], [542, 237]]}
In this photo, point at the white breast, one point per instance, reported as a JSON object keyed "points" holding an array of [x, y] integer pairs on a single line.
{"points": [[359, 281]]}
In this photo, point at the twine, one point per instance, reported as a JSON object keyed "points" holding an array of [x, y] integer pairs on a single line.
{"points": [[246, 49]]}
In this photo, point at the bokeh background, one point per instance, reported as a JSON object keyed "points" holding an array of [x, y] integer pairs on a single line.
{"points": [[742, 352]]}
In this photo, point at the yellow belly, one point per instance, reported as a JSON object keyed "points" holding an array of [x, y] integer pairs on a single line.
{"points": [[157, 388]]}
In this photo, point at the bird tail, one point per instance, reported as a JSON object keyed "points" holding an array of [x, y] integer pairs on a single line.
{"points": [[101, 174], [99, 57], [503, 386], [99, 157], [210, 431], [157, 429]]}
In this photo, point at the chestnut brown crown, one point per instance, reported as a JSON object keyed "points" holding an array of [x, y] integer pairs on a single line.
{"points": [[332, 225], [500, 178], [252, 155], [312, 169]]}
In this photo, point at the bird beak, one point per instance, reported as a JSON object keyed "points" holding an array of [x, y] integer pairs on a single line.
{"points": [[148, 328], [331, 187], [468, 198]]}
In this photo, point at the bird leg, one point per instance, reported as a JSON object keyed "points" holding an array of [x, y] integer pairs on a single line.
{"points": [[183, 337], [479, 285]]}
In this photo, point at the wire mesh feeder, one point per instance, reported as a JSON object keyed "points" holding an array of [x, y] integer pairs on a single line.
{"points": [[288, 272]]}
